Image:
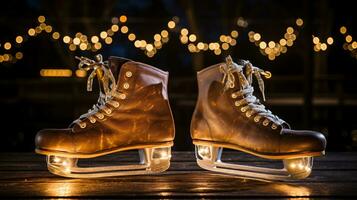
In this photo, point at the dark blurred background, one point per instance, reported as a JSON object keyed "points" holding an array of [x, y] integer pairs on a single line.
{"points": [[313, 85]]}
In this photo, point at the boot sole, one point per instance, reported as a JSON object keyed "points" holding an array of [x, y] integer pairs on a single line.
{"points": [[102, 153], [267, 156]]}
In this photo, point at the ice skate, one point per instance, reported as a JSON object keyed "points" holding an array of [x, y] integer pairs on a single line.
{"points": [[132, 113], [228, 115]]}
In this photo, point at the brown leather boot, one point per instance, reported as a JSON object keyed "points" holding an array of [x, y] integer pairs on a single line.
{"points": [[133, 113], [228, 115]]}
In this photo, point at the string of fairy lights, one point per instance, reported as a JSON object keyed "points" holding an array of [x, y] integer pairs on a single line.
{"points": [[84, 42]]}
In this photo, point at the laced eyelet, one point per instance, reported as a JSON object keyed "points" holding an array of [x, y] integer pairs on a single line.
{"points": [[234, 95], [128, 74], [122, 96], [248, 114], [274, 126], [82, 124], [92, 120], [237, 103], [116, 104], [243, 109], [108, 111], [266, 122], [100, 116], [257, 118], [126, 86]]}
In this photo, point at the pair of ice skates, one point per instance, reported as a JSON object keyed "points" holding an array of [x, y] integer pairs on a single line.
{"points": [[133, 112]]}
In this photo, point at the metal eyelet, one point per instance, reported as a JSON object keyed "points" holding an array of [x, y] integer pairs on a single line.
{"points": [[234, 95], [257, 118], [100, 116], [248, 114], [274, 126], [108, 111], [237, 103], [265, 122], [82, 125], [116, 104], [126, 86], [128, 74], [122, 96], [92, 120], [243, 109]]}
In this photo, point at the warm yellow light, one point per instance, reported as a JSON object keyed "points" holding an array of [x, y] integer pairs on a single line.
{"points": [[124, 29], [290, 30], [98, 45], [315, 40], [164, 33], [72, 47], [80, 73], [217, 51], [184, 39], [256, 36], [19, 55], [262, 45], [123, 19], [354, 45], [323, 46], [131, 36], [7, 46], [157, 37], [66, 39], [343, 29], [76, 41], [222, 38], [271, 44], [233, 42], [19, 39], [299, 22], [171, 24], [329, 40], [282, 42], [41, 19], [225, 46], [115, 28], [48, 29], [56, 35], [103, 34], [83, 46], [234, 33], [348, 38], [184, 31], [31, 32], [200, 45], [192, 37], [149, 47], [108, 40], [55, 72], [137, 43], [94, 39]]}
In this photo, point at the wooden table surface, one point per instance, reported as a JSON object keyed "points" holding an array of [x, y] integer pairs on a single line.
{"points": [[24, 175]]}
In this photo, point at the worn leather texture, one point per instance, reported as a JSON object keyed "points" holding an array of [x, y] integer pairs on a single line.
{"points": [[217, 119], [143, 117]]}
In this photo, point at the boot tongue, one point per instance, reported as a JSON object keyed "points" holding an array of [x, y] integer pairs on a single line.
{"points": [[115, 64]]}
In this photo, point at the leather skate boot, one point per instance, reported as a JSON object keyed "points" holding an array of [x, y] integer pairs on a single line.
{"points": [[133, 112], [228, 115]]}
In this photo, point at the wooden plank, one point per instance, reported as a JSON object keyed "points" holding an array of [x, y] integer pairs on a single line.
{"points": [[233, 188], [25, 175]]}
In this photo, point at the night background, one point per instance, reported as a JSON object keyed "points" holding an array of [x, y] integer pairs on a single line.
{"points": [[313, 84]]}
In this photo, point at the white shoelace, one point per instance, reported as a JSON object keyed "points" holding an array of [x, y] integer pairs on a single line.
{"points": [[251, 104], [108, 82]]}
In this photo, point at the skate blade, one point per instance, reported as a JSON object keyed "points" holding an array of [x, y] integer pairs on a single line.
{"points": [[209, 158], [152, 161]]}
